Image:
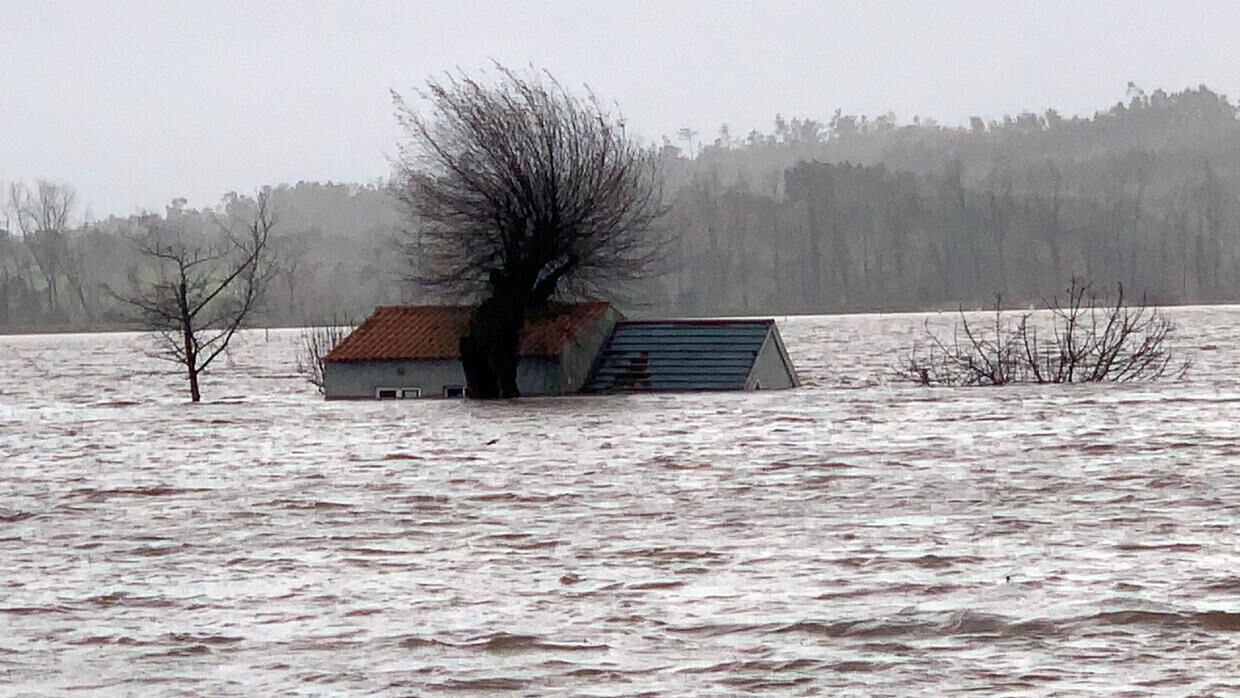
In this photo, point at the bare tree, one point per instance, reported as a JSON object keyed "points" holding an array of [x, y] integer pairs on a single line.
{"points": [[522, 191], [42, 216], [202, 294]]}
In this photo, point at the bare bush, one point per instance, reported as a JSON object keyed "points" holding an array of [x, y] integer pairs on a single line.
{"points": [[1085, 339], [316, 342]]}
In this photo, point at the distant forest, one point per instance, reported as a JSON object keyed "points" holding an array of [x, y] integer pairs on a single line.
{"points": [[849, 214]]}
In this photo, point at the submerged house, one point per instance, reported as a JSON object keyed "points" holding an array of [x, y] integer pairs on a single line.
{"points": [[405, 351], [408, 351]]}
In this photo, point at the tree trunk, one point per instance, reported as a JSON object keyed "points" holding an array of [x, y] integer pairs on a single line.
{"points": [[194, 395], [187, 339], [491, 348], [81, 296], [4, 299]]}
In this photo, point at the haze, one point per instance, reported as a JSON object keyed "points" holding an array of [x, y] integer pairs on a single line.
{"points": [[136, 103]]}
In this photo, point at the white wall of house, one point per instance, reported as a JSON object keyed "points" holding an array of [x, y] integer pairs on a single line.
{"points": [[579, 356], [361, 379], [772, 370], [357, 380]]}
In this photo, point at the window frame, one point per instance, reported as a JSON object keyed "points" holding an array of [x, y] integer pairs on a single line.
{"points": [[388, 392]]}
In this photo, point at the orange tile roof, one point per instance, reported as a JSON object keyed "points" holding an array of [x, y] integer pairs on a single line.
{"points": [[394, 332]]}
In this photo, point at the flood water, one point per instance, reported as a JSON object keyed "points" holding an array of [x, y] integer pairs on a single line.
{"points": [[853, 536]]}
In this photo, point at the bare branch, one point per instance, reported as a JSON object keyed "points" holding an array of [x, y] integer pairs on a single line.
{"points": [[1092, 340], [316, 342]]}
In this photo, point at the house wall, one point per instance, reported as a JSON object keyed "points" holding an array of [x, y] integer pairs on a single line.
{"points": [[579, 356], [539, 375], [771, 368], [359, 379]]}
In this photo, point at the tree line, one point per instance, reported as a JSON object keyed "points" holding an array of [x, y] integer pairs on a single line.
{"points": [[848, 214], [336, 253], [858, 214]]}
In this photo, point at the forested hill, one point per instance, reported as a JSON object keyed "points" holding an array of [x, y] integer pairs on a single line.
{"points": [[848, 214], [865, 214]]}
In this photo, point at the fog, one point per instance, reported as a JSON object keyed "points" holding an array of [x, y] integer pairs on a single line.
{"points": [[137, 103], [856, 213]]}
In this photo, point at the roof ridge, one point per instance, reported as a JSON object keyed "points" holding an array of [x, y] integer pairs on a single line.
{"points": [[699, 321]]}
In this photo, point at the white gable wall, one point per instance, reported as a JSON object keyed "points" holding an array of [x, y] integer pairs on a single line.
{"points": [[771, 368], [578, 357]]}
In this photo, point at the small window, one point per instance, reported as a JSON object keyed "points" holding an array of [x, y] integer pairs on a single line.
{"points": [[454, 391], [397, 393]]}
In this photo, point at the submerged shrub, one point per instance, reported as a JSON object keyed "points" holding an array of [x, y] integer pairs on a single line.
{"points": [[1086, 339], [316, 341]]}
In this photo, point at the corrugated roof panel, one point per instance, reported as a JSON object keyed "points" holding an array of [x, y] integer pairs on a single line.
{"points": [[679, 355]]}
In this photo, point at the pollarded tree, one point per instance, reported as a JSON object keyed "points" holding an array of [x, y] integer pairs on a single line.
{"points": [[521, 191]]}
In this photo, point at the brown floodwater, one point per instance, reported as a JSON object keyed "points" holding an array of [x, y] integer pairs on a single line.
{"points": [[853, 536]]}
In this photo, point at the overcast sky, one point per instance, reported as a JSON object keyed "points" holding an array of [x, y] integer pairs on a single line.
{"points": [[135, 103]]}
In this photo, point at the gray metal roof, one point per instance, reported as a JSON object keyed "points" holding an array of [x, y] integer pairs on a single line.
{"points": [[679, 355]]}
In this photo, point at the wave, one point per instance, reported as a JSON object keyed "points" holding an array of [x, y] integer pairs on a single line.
{"points": [[502, 643], [499, 683], [997, 626], [97, 495]]}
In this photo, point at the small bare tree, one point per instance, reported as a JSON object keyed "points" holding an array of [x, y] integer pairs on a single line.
{"points": [[521, 191], [202, 294], [42, 216], [1086, 339]]}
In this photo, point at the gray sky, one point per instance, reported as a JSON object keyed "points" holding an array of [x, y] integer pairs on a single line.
{"points": [[135, 103]]}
